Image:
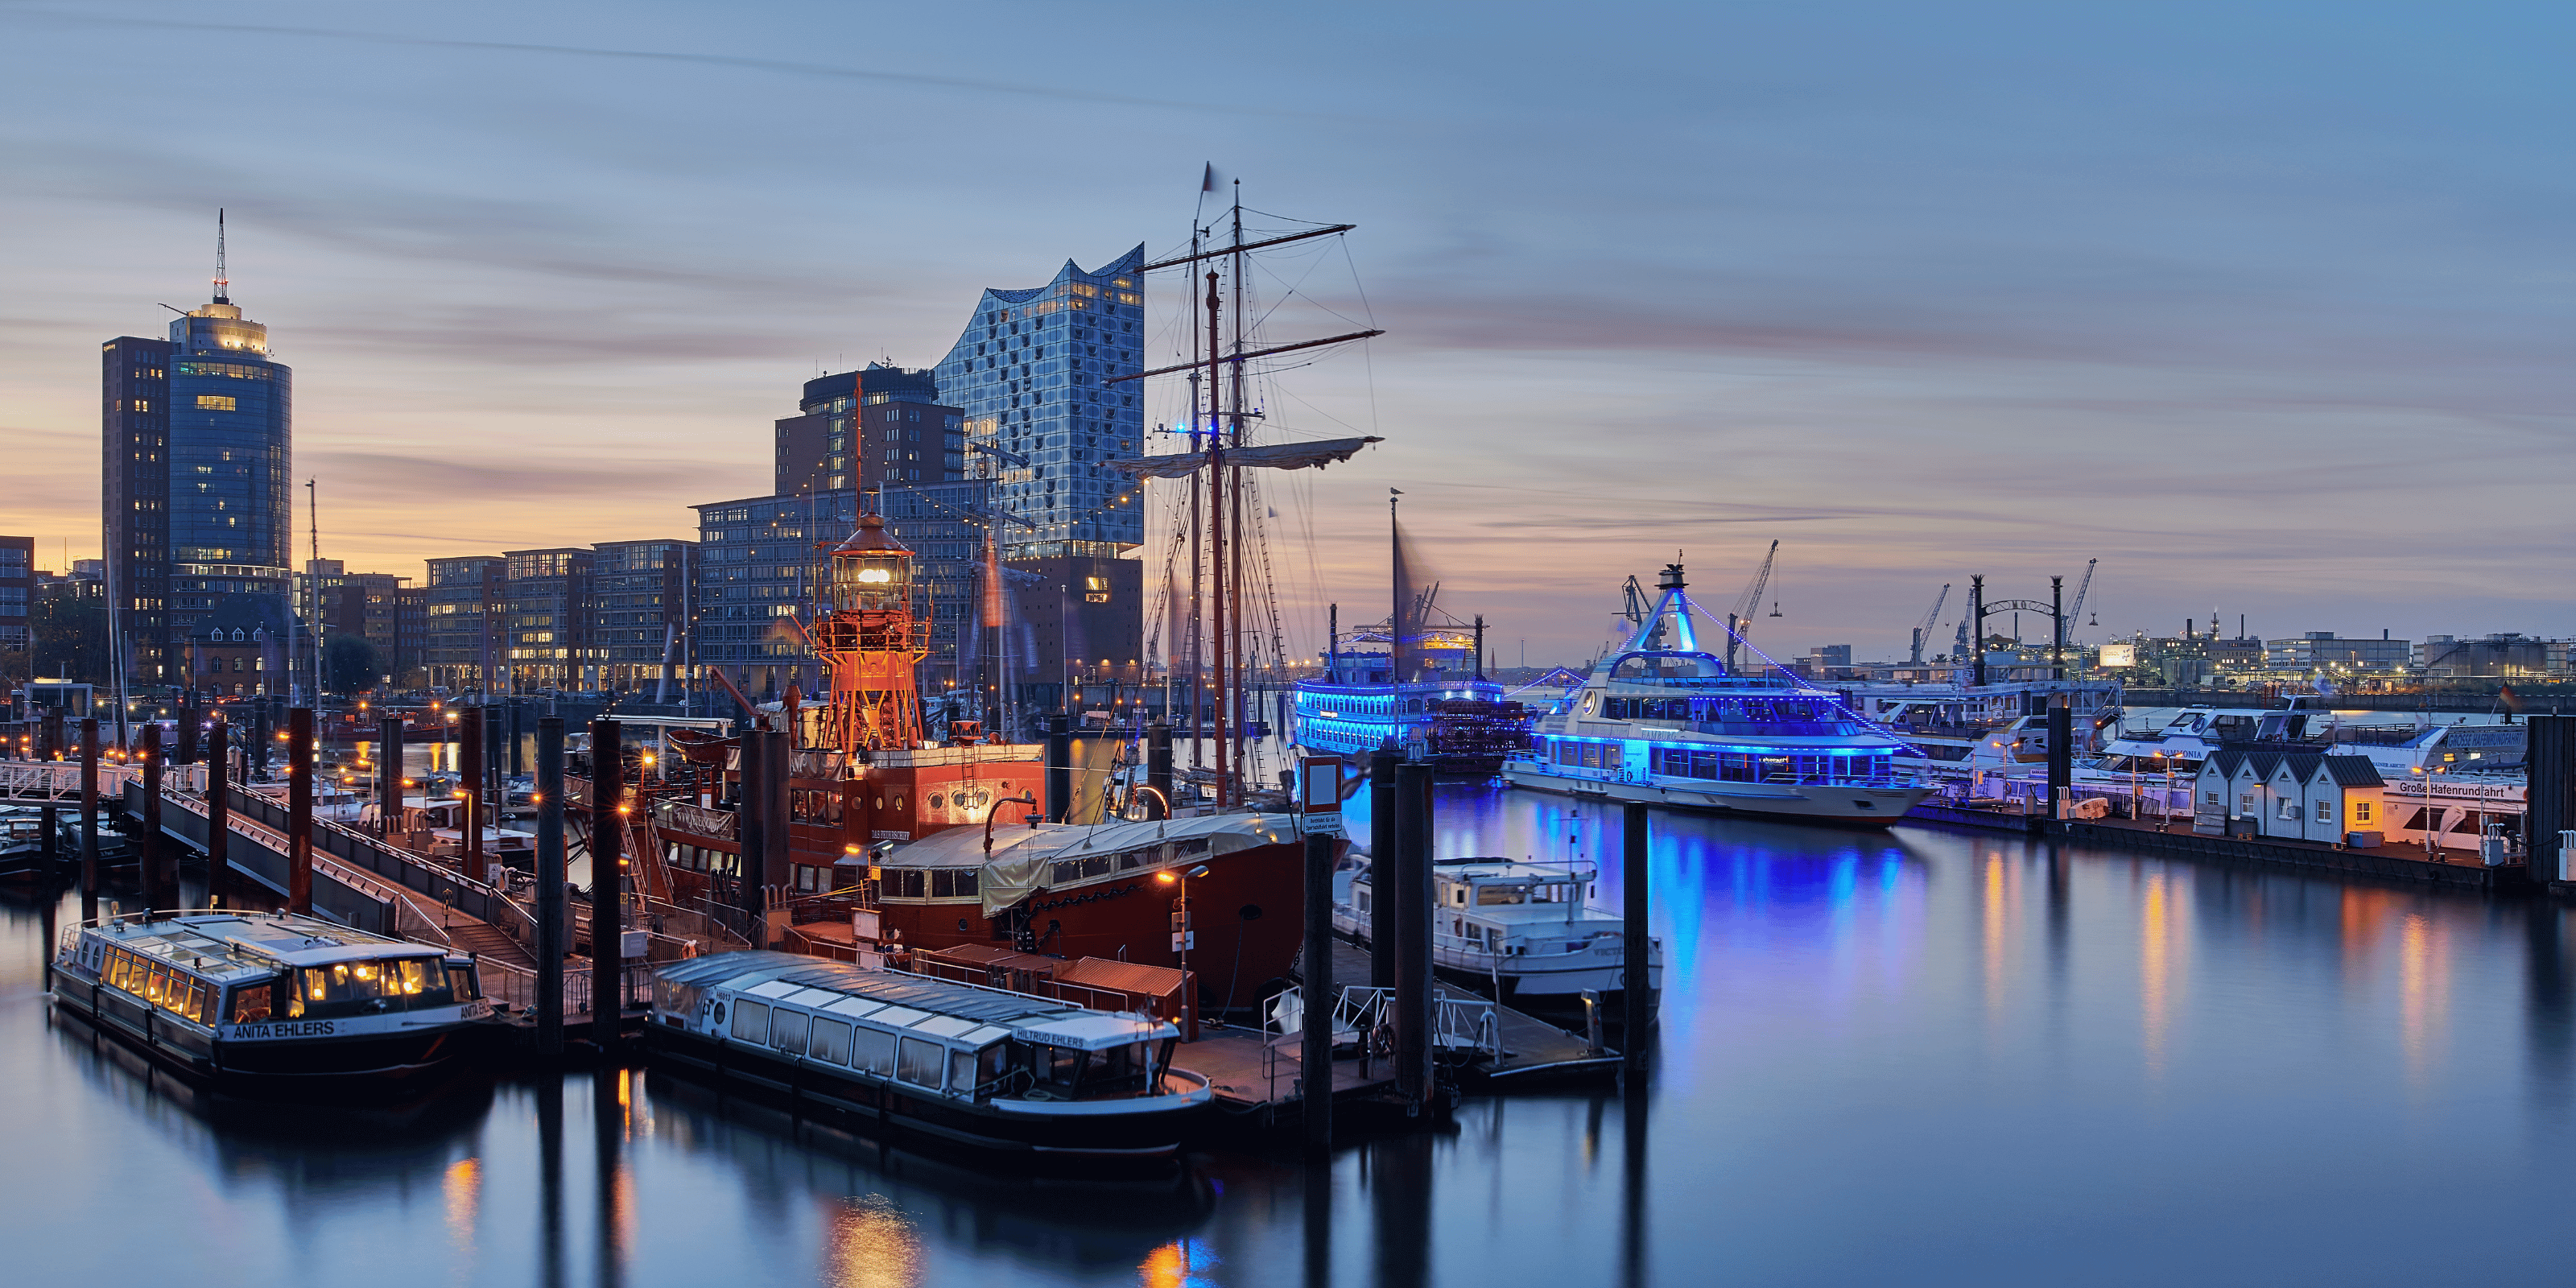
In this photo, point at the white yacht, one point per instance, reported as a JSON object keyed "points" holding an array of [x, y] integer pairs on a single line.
{"points": [[1663, 723], [1526, 928]]}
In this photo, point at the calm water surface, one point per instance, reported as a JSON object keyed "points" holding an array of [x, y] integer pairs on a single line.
{"points": [[1915, 1056]]}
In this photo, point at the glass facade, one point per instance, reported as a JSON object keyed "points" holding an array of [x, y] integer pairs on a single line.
{"points": [[756, 564], [1030, 375], [231, 507]]}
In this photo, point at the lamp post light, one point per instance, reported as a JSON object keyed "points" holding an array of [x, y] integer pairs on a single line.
{"points": [[1184, 938]]}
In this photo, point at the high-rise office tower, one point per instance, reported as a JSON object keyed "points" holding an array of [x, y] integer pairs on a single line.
{"points": [[1030, 373], [197, 439]]}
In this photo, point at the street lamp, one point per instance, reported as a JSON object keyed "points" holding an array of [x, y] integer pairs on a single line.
{"points": [[1184, 938]]}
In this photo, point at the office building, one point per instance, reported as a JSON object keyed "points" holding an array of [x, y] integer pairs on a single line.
{"points": [[196, 470], [369, 605], [640, 596], [463, 607], [880, 426], [547, 608], [17, 591], [1030, 372]]}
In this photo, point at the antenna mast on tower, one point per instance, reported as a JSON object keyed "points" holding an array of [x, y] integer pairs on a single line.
{"points": [[223, 284]]}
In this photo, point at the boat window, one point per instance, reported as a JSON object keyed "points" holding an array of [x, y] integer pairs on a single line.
{"points": [[1054, 1067], [831, 1041], [1134, 859], [461, 984], [919, 1062], [408, 976], [872, 1051], [787, 1031], [250, 1003], [750, 1022], [1096, 866], [961, 1073], [1492, 895]]}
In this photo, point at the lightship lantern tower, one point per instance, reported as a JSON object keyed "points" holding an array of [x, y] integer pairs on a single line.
{"points": [[871, 641]]}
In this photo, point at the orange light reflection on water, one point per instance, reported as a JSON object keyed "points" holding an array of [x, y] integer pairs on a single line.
{"points": [[872, 1246]]}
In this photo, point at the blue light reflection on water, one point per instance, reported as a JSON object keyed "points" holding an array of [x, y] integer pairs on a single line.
{"points": [[1912, 1055]]}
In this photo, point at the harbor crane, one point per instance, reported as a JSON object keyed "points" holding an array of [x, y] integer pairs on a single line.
{"points": [[1923, 632], [2076, 614], [1741, 619]]}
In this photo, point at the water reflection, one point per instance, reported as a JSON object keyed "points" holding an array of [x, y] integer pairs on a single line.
{"points": [[2020, 1063]]}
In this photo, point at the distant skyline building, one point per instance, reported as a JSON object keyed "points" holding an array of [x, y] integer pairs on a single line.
{"points": [[1030, 372], [197, 439]]}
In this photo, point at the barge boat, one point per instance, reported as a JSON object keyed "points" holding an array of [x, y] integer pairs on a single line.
{"points": [[979, 1067]]}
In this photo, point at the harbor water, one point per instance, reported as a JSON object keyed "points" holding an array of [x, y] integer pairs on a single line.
{"points": [[1914, 1056]]}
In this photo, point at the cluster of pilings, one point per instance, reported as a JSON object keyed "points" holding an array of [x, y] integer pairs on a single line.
{"points": [[1400, 918]]}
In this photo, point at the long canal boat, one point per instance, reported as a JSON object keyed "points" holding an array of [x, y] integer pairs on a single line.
{"points": [[979, 1067], [273, 998], [1663, 723]]}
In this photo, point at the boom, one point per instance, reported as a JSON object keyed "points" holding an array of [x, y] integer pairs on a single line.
{"points": [[1924, 631], [1741, 619], [2076, 614]]}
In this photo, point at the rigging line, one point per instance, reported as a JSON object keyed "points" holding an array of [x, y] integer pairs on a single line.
{"points": [[1368, 359]]}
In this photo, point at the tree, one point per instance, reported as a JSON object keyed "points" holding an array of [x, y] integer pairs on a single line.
{"points": [[349, 663], [71, 637]]}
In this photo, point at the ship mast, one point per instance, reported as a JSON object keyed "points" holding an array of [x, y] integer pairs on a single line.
{"points": [[1216, 486], [1234, 498], [1216, 545]]}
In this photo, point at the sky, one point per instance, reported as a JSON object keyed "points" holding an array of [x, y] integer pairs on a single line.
{"points": [[2266, 307]]}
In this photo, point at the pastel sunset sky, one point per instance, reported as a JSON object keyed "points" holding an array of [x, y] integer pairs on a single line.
{"points": [[2266, 306]]}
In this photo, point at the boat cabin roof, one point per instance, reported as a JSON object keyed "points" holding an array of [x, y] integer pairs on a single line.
{"points": [[938, 1008], [217, 944]]}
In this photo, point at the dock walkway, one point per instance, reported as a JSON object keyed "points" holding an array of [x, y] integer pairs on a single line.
{"points": [[1533, 1049]]}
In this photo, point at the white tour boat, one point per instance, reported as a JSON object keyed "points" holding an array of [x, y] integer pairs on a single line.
{"points": [[1527, 928], [244, 996]]}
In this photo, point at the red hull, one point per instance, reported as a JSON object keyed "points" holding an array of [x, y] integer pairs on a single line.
{"points": [[1248, 913]]}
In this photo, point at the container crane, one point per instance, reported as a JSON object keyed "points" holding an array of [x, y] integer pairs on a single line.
{"points": [[1741, 619], [2076, 614], [1923, 632]]}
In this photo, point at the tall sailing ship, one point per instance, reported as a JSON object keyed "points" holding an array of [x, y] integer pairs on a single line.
{"points": [[923, 845], [1665, 723]]}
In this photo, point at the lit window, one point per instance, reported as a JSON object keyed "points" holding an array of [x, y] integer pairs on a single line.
{"points": [[214, 402]]}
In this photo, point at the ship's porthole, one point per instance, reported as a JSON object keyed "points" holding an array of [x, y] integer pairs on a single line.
{"points": [[961, 923], [936, 800]]}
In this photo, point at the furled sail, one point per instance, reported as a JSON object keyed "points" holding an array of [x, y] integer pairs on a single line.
{"points": [[1270, 456]]}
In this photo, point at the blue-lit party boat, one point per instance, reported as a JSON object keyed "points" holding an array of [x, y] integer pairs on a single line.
{"points": [[1665, 723]]}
